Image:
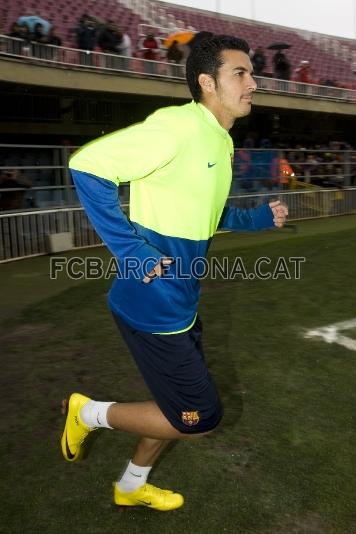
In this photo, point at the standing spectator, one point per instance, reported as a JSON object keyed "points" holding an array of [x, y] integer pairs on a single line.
{"points": [[109, 40], [175, 55], [258, 62], [16, 34], [53, 38], [124, 48], [303, 75], [15, 31], [281, 66], [86, 38], [38, 34], [150, 48]]}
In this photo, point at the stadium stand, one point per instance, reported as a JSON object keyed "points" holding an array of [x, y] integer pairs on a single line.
{"points": [[320, 50]]}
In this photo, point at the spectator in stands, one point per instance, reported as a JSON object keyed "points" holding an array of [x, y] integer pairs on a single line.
{"points": [[14, 181], [150, 48], [124, 46], [258, 61], [86, 38], [25, 35], [303, 75], [175, 55], [281, 66], [310, 167], [109, 40], [53, 38], [198, 38], [15, 30], [281, 171], [16, 33], [38, 35], [303, 72]]}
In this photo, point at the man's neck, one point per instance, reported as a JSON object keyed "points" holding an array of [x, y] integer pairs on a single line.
{"points": [[226, 121]]}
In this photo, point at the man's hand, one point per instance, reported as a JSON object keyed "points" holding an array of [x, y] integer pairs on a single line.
{"points": [[280, 213], [157, 270]]}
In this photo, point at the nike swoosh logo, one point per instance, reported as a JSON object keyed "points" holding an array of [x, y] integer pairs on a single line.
{"points": [[211, 164], [148, 503], [69, 452], [138, 476]]}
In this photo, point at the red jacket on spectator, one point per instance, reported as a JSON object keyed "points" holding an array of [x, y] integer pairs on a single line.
{"points": [[152, 47], [303, 73]]}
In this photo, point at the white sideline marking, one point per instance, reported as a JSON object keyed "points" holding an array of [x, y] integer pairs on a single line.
{"points": [[330, 334]]}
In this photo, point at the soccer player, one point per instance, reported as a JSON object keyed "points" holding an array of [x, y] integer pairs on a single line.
{"points": [[179, 165]]}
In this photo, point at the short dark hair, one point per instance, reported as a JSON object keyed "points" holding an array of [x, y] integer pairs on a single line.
{"points": [[205, 58]]}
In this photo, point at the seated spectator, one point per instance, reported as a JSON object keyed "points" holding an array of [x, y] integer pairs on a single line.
{"points": [[13, 179], [258, 61]]}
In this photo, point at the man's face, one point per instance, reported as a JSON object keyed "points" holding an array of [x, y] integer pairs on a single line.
{"points": [[235, 84]]}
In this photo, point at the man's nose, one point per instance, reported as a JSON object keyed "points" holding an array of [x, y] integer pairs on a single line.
{"points": [[252, 84]]}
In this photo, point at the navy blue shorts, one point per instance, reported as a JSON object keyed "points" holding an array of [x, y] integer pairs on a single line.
{"points": [[175, 372]]}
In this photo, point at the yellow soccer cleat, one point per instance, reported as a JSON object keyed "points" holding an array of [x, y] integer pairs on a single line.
{"points": [[150, 496], [75, 431]]}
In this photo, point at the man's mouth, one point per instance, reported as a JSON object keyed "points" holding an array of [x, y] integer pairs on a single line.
{"points": [[248, 98]]}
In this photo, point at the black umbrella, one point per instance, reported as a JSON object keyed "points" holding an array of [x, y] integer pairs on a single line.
{"points": [[279, 46]]}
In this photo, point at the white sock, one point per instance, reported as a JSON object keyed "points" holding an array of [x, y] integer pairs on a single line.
{"points": [[134, 477], [93, 414]]}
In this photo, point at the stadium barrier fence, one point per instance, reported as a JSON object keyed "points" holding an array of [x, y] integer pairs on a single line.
{"points": [[60, 56], [26, 234], [37, 176]]}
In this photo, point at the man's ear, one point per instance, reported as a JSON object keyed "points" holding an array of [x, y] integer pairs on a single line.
{"points": [[206, 83]]}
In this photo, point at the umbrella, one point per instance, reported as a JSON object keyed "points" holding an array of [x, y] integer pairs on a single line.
{"points": [[279, 46], [180, 37], [32, 20]]}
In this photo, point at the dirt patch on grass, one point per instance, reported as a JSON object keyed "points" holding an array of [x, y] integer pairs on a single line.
{"points": [[310, 524], [24, 333]]}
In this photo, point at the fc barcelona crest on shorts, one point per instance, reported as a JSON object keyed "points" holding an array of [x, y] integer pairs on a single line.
{"points": [[190, 418]]}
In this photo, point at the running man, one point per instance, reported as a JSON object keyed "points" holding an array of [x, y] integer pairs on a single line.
{"points": [[178, 163]]}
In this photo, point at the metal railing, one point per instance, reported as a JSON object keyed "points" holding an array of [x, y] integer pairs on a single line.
{"points": [[90, 60], [26, 234], [37, 176], [11, 47], [257, 170], [42, 181]]}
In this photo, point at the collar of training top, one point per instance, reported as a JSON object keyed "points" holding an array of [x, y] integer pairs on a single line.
{"points": [[210, 117]]}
